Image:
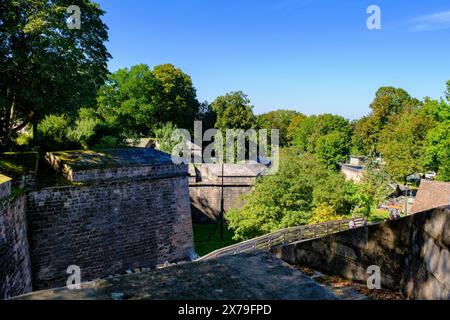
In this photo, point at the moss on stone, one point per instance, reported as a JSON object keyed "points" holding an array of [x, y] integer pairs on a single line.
{"points": [[16, 164], [4, 179]]}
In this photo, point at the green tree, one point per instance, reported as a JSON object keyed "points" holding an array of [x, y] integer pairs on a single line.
{"points": [[437, 147], [233, 111], [129, 100], [402, 143], [313, 129], [164, 137], [138, 100], [373, 190], [178, 98], [294, 126], [333, 149], [290, 197], [278, 119], [45, 67], [388, 102]]}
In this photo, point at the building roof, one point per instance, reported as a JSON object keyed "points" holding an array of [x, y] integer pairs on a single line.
{"points": [[431, 194]]}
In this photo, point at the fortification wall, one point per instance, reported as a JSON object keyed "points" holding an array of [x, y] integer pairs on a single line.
{"points": [[15, 271], [412, 253], [108, 227], [206, 198]]}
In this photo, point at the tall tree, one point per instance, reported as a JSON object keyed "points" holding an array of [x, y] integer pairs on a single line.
{"points": [[129, 100], [313, 128], [437, 147], [46, 67], [290, 198], [388, 102], [233, 111], [402, 143], [139, 99], [278, 119], [178, 98]]}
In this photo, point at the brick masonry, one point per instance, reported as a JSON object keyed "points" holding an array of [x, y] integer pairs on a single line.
{"points": [[5, 188], [108, 227], [15, 270]]}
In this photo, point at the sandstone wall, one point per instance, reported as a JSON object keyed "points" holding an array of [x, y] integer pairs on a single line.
{"points": [[108, 227], [206, 200], [413, 254], [15, 271]]}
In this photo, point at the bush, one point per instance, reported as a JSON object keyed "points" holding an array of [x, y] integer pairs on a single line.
{"points": [[54, 133]]}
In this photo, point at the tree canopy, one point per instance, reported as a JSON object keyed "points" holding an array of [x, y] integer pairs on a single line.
{"points": [[289, 198], [233, 111], [45, 67], [140, 100], [278, 119], [388, 102]]}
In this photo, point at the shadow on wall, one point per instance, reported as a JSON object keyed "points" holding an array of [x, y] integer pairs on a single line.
{"points": [[412, 253]]}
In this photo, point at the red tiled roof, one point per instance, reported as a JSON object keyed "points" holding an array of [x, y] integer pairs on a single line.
{"points": [[431, 195]]}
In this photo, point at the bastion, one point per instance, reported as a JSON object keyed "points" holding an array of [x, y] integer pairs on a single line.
{"points": [[118, 210]]}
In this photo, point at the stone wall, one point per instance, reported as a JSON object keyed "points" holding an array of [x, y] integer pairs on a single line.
{"points": [[205, 188], [206, 199], [108, 227], [413, 254], [5, 187], [15, 271]]}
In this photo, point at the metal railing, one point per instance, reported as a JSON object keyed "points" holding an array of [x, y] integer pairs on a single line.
{"points": [[288, 235]]}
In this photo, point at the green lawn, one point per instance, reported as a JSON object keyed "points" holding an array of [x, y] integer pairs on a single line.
{"points": [[207, 238]]}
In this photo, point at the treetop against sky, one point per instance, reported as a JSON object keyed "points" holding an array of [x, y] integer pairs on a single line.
{"points": [[313, 56]]}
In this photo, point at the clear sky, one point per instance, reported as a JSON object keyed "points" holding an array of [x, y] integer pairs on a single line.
{"points": [[314, 56]]}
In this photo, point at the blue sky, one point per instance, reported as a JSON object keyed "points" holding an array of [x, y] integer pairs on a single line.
{"points": [[314, 56]]}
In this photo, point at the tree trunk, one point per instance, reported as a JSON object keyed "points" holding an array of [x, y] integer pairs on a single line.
{"points": [[34, 123]]}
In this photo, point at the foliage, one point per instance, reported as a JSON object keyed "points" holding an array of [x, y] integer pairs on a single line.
{"points": [[85, 132], [402, 143], [327, 135], [164, 137], [324, 213], [437, 148], [333, 149], [312, 128], [289, 198], [388, 102], [373, 190], [178, 98], [45, 67], [233, 111], [138, 100], [279, 119], [54, 132], [293, 126]]}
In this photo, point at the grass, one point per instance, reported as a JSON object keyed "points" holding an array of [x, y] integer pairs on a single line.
{"points": [[16, 164], [207, 238]]}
